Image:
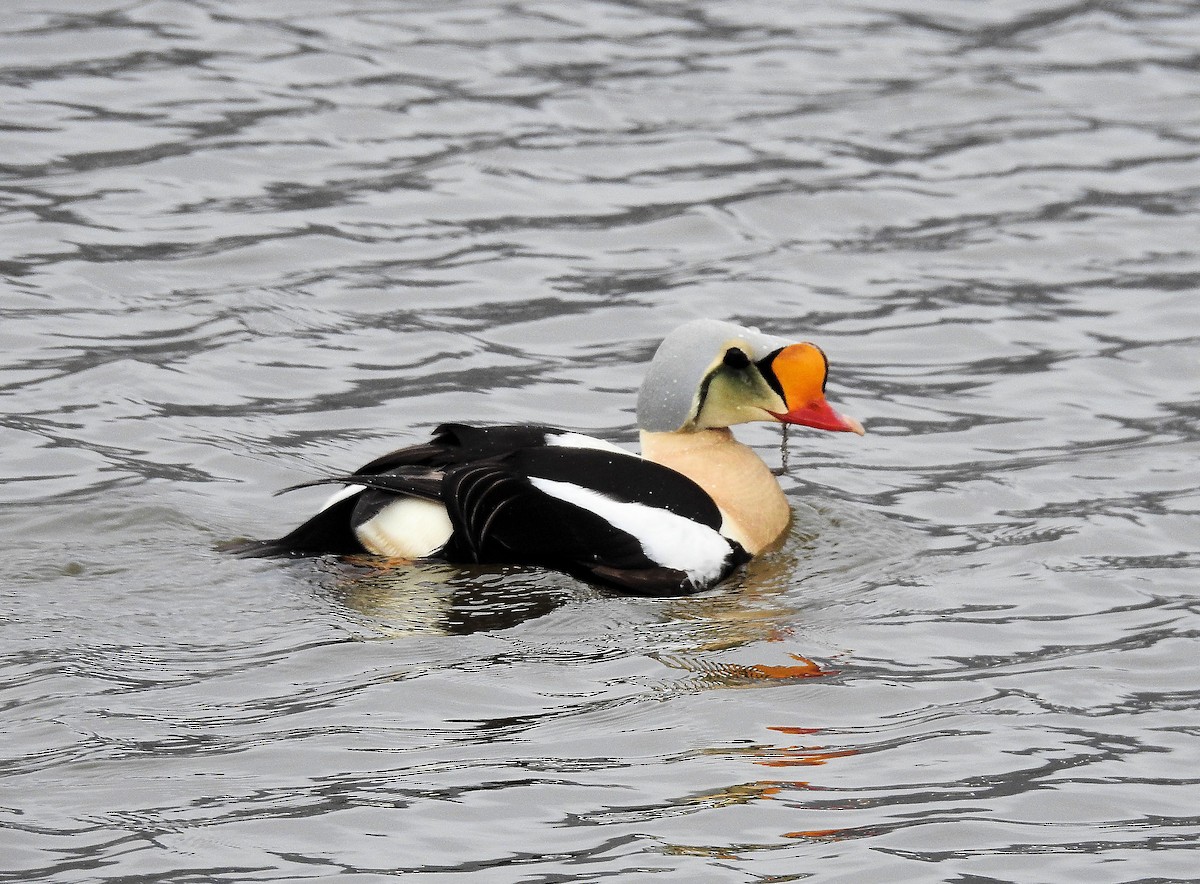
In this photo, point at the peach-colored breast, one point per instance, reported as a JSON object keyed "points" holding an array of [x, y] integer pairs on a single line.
{"points": [[755, 509]]}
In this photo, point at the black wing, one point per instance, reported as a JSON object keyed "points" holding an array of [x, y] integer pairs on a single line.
{"points": [[454, 444], [622, 477], [500, 516], [485, 477], [332, 529]]}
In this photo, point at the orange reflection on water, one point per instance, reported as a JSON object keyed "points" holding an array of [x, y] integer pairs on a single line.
{"points": [[731, 674], [806, 669], [744, 793], [796, 756], [815, 833]]}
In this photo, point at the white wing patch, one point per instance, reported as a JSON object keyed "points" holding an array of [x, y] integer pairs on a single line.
{"points": [[580, 440], [670, 540]]}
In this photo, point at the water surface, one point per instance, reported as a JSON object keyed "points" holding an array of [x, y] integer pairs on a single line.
{"points": [[245, 245]]}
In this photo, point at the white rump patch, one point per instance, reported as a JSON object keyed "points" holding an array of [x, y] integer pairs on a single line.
{"points": [[670, 540], [407, 528]]}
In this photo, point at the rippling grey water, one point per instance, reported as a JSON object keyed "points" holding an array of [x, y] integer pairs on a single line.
{"points": [[247, 243]]}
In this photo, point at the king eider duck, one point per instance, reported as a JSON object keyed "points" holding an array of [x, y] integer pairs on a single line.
{"points": [[680, 518]]}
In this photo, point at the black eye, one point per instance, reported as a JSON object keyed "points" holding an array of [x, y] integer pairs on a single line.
{"points": [[735, 358]]}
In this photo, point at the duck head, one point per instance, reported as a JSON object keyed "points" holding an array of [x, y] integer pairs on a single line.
{"points": [[709, 374]]}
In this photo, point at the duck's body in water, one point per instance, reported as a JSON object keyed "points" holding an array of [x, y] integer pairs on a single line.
{"points": [[696, 504]]}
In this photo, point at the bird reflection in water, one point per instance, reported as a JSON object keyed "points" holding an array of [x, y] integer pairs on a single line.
{"points": [[739, 636], [399, 597], [404, 598]]}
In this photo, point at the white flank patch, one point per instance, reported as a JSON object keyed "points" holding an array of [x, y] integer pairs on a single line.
{"points": [[348, 491], [408, 528], [579, 440], [670, 540]]}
